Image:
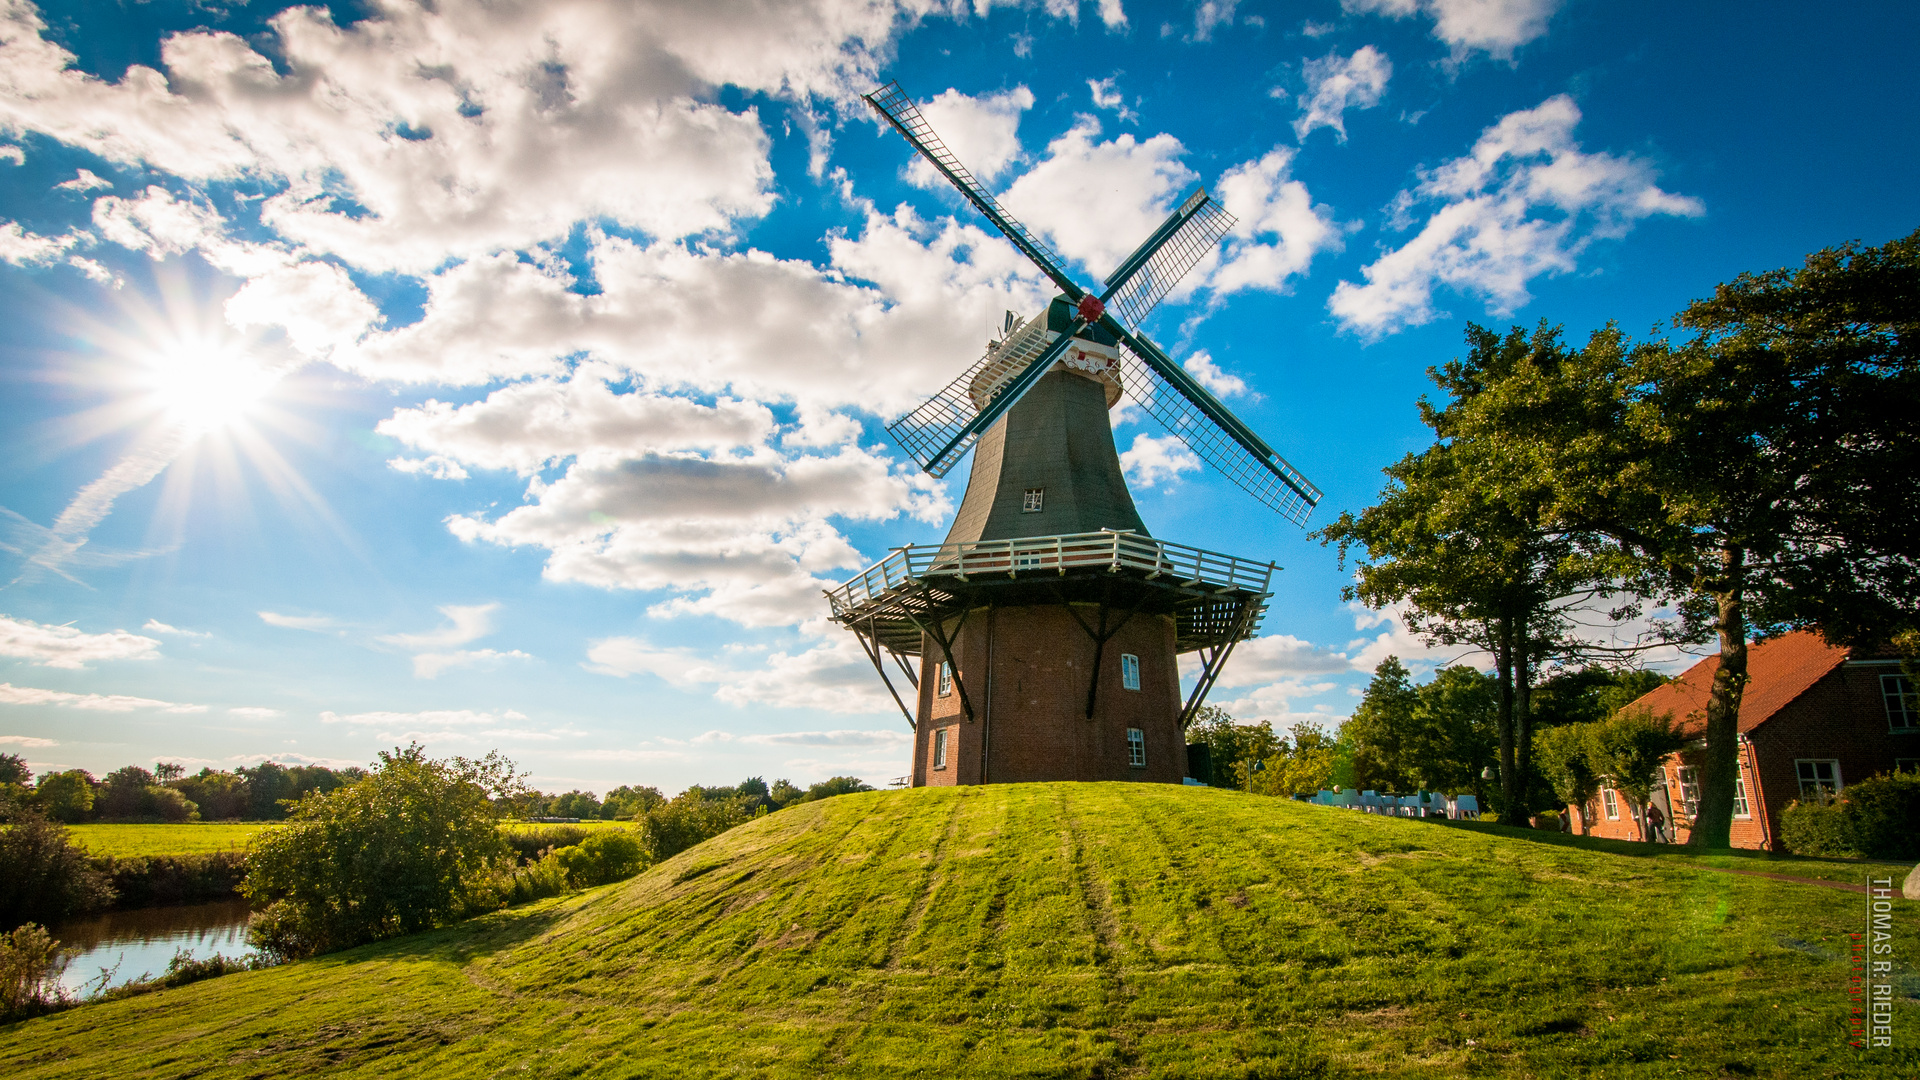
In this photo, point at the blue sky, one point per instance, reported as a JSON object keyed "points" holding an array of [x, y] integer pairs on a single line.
{"points": [[513, 375]]}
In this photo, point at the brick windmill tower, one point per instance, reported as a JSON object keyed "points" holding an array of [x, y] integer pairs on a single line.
{"points": [[1041, 637]]}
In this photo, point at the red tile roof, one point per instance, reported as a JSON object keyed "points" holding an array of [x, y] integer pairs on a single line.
{"points": [[1778, 671]]}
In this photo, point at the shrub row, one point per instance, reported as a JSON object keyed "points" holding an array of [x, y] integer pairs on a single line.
{"points": [[157, 880], [1873, 819]]}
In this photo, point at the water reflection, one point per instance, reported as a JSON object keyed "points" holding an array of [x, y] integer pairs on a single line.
{"points": [[133, 944]]}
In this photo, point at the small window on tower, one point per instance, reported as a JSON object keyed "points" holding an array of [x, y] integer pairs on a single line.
{"points": [[940, 749], [1032, 500], [1129, 671], [1136, 748], [946, 679]]}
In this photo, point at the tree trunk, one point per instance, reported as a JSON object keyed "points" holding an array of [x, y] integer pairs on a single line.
{"points": [[1511, 812], [1713, 823], [1523, 721]]}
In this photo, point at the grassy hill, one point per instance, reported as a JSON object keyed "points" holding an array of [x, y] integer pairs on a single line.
{"points": [[1058, 930]]}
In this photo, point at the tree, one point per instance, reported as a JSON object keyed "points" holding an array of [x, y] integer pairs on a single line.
{"points": [[48, 877], [1301, 765], [221, 796], [1380, 728], [1627, 750], [1229, 743], [410, 847], [1457, 736], [1564, 762], [574, 804], [687, 820], [836, 785], [13, 770], [1763, 472], [628, 802], [65, 796]]}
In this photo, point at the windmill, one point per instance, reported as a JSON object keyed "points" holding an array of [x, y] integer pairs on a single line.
{"points": [[1041, 637]]}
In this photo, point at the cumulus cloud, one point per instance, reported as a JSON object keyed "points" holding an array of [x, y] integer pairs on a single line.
{"points": [[983, 132], [1106, 97], [1211, 14], [28, 695], [23, 248], [66, 647], [1278, 229], [1525, 202], [13, 154], [833, 676], [84, 180], [1095, 199], [1494, 27], [1335, 85], [1157, 459], [1208, 374], [315, 303]]}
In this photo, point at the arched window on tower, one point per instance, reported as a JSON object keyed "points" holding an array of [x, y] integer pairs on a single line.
{"points": [[946, 678]]}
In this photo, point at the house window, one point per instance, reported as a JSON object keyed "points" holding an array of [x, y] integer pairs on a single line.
{"points": [[1903, 703], [1612, 803], [1906, 764], [1136, 748], [1818, 777], [1129, 671], [940, 749], [1740, 807], [946, 679], [1032, 499], [1690, 790]]}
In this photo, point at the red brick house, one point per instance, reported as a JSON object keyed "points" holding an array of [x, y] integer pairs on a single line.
{"points": [[1814, 717]]}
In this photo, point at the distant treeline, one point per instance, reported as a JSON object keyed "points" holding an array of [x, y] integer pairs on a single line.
{"points": [[262, 792], [754, 795]]}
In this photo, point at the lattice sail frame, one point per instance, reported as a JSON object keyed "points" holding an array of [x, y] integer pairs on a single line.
{"points": [[1198, 236], [941, 418]]}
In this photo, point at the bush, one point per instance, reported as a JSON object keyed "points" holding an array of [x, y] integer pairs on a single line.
{"points": [[413, 846], [65, 796], [46, 876], [673, 827], [30, 969], [157, 880], [1878, 818], [608, 855], [530, 842], [541, 878]]}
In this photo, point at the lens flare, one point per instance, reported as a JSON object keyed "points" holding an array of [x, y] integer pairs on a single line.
{"points": [[204, 386]]}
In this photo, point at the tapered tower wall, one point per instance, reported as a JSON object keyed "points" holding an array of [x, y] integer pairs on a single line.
{"points": [[1026, 672]]}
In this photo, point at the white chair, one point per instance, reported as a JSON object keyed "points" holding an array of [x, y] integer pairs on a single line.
{"points": [[1466, 808]]}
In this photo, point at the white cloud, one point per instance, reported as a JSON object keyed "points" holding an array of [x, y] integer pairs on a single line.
{"points": [[1278, 229], [1488, 236], [161, 225], [1335, 85], [254, 712], [437, 718], [28, 695], [1106, 97], [315, 303], [66, 647], [23, 248], [13, 154], [464, 623], [429, 665], [1495, 27], [1112, 15], [26, 740], [833, 676], [158, 627], [843, 737], [1097, 200], [314, 623], [1209, 14], [1157, 459], [983, 132], [1208, 374], [435, 466], [84, 180]]}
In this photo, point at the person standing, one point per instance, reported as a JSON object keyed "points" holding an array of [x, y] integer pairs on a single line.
{"points": [[1656, 825]]}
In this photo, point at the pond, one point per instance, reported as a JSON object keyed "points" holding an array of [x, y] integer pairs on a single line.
{"points": [[132, 944]]}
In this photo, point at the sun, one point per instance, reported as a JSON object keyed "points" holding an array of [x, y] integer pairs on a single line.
{"points": [[206, 384]]}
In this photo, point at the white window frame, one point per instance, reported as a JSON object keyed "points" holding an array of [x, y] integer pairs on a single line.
{"points": [[1129, 671], [1612, 802], [1690, 790], [1902, 702], [940, 748], [1136, 748], [1800, 774], [1033, 500], [1902, 764], [943, 684], [1741, 807]]}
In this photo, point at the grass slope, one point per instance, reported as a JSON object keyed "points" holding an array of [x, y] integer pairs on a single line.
{"points": [[146, 841], [1057, 930]]}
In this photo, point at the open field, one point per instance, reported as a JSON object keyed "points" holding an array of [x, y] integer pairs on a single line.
{"points": [[145, 841], [1061, 930]]}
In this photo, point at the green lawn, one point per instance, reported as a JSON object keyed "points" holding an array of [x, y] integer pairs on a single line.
{"points": [[1061, 930], [129, 841]]}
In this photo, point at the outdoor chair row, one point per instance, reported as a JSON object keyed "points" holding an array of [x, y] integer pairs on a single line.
{"points": [[1427, 804]]}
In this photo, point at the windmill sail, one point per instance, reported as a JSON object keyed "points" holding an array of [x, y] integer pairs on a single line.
{"points": [[893, 103], [1151, 272], [1189, 411], [942, 429]]}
